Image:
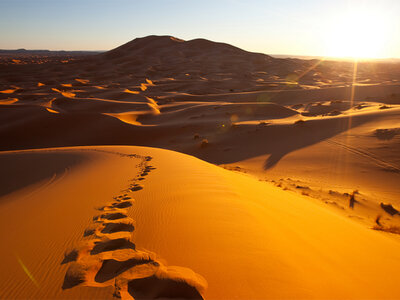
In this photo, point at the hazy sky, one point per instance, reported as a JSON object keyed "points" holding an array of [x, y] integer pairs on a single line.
{"points": [[310, 27]]}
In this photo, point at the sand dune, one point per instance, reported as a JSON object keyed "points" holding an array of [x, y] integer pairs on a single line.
{"points": [[306, 207], [91, 257], [280, 245]]}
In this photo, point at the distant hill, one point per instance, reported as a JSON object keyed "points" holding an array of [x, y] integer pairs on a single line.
{"points": [[220, 66], [159, 57], [170, 56]]}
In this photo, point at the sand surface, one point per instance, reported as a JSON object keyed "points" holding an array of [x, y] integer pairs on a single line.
{"points": [[278, 179], [229, 232]]}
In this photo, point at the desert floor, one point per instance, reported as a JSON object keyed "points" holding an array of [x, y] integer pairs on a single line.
{"points": [[194, 169]]}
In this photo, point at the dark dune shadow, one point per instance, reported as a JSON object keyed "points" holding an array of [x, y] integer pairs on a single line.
{"points": [[389, 209], [40, 129], [16, 170], [276, 140], [306, 134], [272, 160], [156, 288], [386, 134]]}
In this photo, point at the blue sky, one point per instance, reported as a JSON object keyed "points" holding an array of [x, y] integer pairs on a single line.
{"points": [[274, 26]]}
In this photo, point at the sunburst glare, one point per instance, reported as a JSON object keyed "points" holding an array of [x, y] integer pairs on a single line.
{"points": [[358, 33]]}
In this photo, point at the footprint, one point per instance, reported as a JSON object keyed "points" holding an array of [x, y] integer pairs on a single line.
{"points": [[70, 256], [111, 216], [116, 205], [136, 187], [124, 204], [111, 268], [117, 227], [89, 231], [110, 245], [76, 274]]}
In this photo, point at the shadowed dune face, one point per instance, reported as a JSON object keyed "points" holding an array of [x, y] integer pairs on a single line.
{"points": [[17, 175]]}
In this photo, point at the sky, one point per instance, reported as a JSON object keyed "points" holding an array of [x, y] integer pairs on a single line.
{"points": [[365, 28]]}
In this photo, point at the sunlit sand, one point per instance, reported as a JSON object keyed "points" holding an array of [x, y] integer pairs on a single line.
{"points": [[194, 169]]}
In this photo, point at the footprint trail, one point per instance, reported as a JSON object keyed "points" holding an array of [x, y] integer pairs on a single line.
{"points": [[108, 256]]}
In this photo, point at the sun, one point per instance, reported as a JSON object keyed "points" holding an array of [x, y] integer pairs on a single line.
{"points": [[358, 33]]}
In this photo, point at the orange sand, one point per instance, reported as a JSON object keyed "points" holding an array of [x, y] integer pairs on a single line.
{"points": [[246, 238], [289, 168]]}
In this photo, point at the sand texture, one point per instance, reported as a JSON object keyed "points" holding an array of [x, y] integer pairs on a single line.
{"points": [[193, 169]]}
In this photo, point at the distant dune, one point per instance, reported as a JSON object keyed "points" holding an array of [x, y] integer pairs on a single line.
{"points": [[302, 200]]}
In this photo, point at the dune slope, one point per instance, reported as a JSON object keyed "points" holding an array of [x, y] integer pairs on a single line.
{"points": [[231, 236]]}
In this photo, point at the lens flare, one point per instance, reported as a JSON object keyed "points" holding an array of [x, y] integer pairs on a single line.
{"points": [[27, 271]]}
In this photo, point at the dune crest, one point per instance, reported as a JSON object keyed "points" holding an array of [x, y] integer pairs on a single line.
{"points": [[131, 92], [64, 93], [8, 101]]}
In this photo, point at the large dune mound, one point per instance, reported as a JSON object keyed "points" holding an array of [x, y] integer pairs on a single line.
{"points": [[159, 56], [165, 53]]}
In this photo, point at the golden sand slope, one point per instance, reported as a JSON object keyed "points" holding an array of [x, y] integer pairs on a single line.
{"points": [[246, 238], [56, 230], [327, 158], [44, 213]]}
